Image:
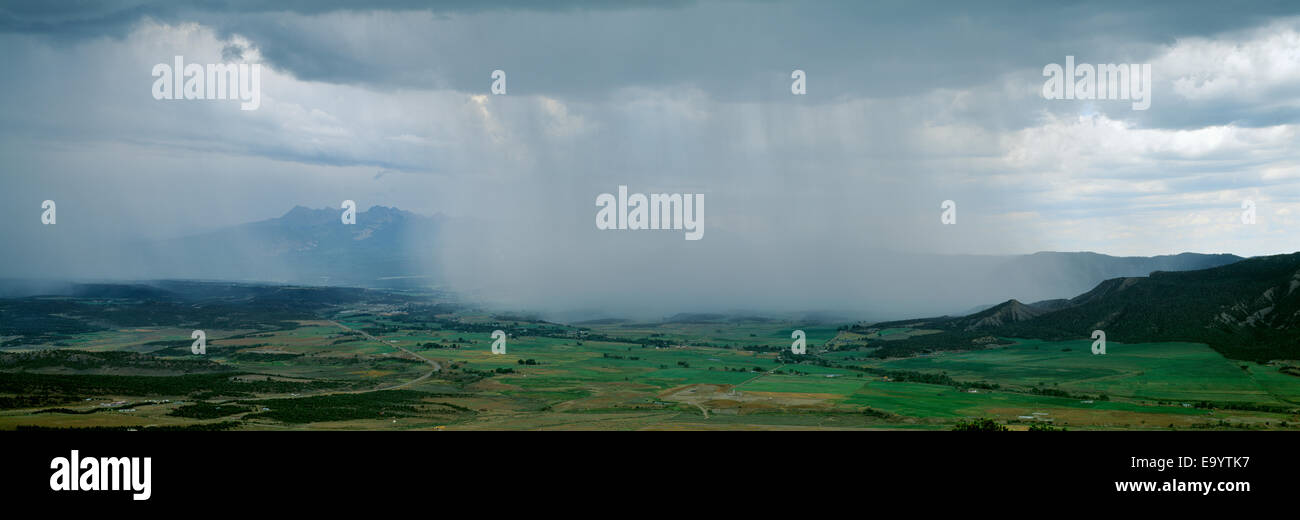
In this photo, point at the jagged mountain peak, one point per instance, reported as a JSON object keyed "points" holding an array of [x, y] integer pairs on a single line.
{"points": [[311, 245]]}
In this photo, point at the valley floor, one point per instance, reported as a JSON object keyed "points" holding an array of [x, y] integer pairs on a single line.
{"points": [[375, 366]]}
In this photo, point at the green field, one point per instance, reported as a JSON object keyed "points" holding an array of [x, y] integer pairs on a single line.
{"points": [[388, 367], [1143, 371]]}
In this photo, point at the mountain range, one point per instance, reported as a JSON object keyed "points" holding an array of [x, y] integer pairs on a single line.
{"points": [[1047, 276], [386, 247], [1245, 310], [391, 248]]}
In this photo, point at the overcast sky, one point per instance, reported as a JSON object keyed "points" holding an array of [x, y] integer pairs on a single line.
{"points": [[908, 104]]}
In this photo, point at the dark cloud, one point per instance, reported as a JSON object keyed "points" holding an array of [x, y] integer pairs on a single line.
{"points": [[909, 104], [89, 18], [733, 50]]}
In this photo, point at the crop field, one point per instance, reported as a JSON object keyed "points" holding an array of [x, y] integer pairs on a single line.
{"points": [[377, 366], [1145, 371]]}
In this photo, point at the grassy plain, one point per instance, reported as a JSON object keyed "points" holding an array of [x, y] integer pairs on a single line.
{"points": [[382, 367]]}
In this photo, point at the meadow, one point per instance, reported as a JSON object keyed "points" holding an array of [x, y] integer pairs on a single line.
{"points": [[377, 366]]}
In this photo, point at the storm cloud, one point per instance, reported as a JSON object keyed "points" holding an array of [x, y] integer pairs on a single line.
{"points": [[815, 201]]}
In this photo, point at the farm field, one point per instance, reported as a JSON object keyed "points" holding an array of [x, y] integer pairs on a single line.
{"points": [[404, 366], [1145, 371]]}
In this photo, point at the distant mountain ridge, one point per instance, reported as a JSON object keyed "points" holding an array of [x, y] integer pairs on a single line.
{"points": [[1245, 310], [389, 247], [310, 246], [1076, 272], [1050, 278]]}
